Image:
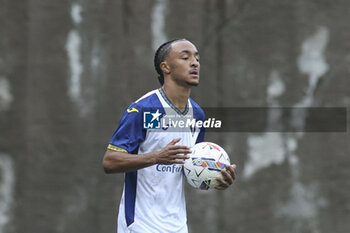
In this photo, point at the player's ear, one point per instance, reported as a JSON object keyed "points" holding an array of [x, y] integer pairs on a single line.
{"points": [[165, 67]]}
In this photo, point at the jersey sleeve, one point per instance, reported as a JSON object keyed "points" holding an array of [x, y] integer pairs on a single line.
{"points": [[199, 115], [130, 132], [201, 135]]}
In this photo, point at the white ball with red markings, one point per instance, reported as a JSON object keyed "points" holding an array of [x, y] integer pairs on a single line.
{"points": [[205, 164]]}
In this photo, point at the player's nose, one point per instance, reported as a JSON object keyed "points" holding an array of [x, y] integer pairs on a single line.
{"points": [[194, 62]]}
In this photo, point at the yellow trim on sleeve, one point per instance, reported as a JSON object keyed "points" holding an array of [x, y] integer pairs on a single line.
{"points": [[115, 148]]}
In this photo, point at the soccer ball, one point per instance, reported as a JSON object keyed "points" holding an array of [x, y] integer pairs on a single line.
{"points": [[205, 164]]}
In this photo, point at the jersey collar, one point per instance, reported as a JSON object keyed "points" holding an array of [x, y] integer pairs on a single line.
{"points": [[165, 97]]}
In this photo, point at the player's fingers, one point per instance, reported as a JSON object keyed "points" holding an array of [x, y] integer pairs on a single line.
{"points": [[171, 161], [184, 157], [227, 176], [177, 156], [223, 183], [177, 161], [179, 147], [232, 171], [181, 151], [174, 141], [220, 187]]}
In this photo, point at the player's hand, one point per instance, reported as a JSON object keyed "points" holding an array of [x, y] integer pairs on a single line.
{"points": [[228, 177], [173, 153]]}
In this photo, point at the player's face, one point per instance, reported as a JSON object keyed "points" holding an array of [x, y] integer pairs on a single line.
{"points": [[183, 63]]}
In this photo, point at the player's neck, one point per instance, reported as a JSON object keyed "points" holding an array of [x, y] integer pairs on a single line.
{"points": [[178, 95]]}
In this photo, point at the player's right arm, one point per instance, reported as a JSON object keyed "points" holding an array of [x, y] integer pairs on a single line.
{"points": [[118, 161]]}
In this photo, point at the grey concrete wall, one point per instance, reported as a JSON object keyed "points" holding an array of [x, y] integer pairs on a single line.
{"points": [[69, 68]]}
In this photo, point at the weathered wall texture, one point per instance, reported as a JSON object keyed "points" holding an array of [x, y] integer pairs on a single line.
{"points": [[69, 68]]}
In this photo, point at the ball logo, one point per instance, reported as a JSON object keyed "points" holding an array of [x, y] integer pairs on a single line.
{"points": [[211, 146], [197, 162], [209, 163]]}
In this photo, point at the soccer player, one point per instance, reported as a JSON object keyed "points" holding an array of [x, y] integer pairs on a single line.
{"points": [[151, 155]]}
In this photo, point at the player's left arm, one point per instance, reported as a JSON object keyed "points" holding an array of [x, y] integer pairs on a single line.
{"points": [[228, 176]]}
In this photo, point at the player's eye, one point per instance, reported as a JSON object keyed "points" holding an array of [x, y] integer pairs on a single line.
{"points": [[184, 58]]}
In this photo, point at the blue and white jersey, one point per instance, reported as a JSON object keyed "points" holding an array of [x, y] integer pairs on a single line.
{"points": [[153, 198]]}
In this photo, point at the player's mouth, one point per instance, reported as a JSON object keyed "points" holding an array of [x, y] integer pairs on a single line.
{"points": [[194, 73]]}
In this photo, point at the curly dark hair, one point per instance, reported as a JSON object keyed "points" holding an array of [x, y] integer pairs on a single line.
{"points": [[160, 55]]}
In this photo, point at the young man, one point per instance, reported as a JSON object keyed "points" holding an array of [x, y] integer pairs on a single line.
{"points": [[153, 199]]}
